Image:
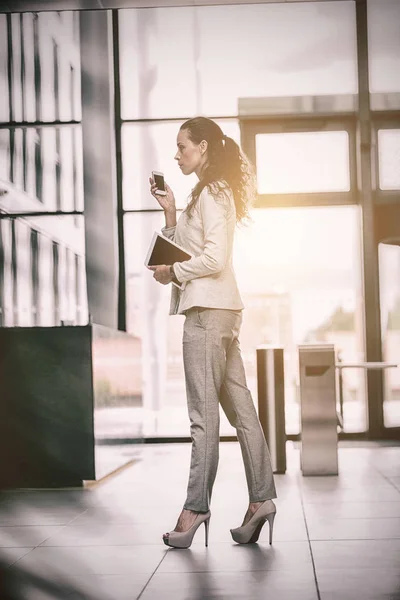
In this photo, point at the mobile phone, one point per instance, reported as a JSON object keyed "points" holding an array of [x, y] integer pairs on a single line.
{"points": [[158, 179]]}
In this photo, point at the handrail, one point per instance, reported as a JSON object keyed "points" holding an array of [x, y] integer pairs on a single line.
{"points": [[366, 365]]}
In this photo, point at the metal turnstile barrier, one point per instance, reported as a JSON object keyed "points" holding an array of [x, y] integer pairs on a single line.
{"points": [[271, 403], [319, 417], [318, 454]]}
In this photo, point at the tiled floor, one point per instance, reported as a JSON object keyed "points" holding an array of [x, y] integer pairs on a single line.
{"points": [[334, 537]]}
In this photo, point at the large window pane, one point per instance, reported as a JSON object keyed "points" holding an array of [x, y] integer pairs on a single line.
{"points": [[302, 267], [4, 96], [49, 162], [302, 162], [384, 45], [148, 147], [200, 60], [389, 159], [40, 284], [389, 281]]}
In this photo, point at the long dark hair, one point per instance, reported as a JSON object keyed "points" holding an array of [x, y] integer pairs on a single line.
{"points": [[226, 163]]}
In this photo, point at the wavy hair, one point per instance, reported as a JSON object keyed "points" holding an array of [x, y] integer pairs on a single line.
{"points": [[226, 164]]}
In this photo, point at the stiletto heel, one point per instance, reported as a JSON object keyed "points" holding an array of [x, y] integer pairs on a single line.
{"points": [[206, 525], [249, 533], [183, 539], [270, 519]]}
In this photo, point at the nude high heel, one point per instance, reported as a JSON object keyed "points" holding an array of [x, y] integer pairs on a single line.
{"points": [[183, 539], [249, 533]]}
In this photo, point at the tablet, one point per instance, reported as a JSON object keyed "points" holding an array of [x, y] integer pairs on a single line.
{"points": [[163, 251]]}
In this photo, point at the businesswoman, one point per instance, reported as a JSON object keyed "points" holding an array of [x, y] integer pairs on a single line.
{"points": [[210, 299]]}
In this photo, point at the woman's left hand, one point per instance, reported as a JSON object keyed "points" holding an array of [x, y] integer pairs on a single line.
{"points": [[162, 274]]}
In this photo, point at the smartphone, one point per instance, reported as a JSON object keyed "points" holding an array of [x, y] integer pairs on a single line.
{"points": [[158, 179]]}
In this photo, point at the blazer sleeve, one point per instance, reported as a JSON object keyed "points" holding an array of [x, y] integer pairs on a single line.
{"points": [[215, 251], [169, 232]]}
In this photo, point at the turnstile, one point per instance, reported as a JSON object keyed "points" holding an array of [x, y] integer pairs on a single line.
{"points": [[271, 403], [319, 438]]}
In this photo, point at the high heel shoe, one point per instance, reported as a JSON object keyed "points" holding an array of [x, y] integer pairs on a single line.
{"points": [[249, 533], [183, 539]]}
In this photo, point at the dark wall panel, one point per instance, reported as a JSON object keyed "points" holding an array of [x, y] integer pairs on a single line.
{"points": [[46, 407]]}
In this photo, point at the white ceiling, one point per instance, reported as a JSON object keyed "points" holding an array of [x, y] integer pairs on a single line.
{"points": [[43, 5]]}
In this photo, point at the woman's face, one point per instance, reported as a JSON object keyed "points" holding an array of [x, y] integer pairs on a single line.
{"points": [[191, 157]]}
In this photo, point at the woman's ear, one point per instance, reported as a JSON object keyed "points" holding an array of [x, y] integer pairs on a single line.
{"points": [[203, 146]]}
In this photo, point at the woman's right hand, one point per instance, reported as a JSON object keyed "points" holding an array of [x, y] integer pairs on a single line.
{"points": [[166, 202]]}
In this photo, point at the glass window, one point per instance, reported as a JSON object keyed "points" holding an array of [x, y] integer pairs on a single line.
{"points": [[23, 67], [384, 45], [56, 80], [55, 51], [47, 163], [4, 154], [4, 96], [59, 239], [37, 68], [8, 289], [35, 282], [200, 60], [14, 274], [299, 273], [389, 159], [148, 147], [15, 48], [58, 169], [38, 165], [56, 282], [302, 162], [29, 67], [389, 283]]}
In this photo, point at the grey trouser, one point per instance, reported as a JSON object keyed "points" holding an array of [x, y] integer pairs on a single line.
{"points": [[214, 374]]}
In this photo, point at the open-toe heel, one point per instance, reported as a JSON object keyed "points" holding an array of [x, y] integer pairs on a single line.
{"points": [[183, 539]]}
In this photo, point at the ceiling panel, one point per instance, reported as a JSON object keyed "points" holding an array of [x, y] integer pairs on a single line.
{"points": [[50, 5]]}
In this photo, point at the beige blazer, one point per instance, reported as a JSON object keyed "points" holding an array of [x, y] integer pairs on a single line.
{"points": [[208, 278]]}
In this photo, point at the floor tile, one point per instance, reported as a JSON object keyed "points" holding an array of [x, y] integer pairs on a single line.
{"points": [[384, 493], [25, 536], [353, 584], [90, 587], [258, 585], [353, 529], [363, 554], [102, 560], [353, 510], [108, 534], [9, 556], [235, 557]]}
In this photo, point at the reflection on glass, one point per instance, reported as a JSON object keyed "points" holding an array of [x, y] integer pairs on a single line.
{"points": [[46, 164], [148, 147], [389, 159], [389, 282], [269, 50], [44, 50], [117, 384], [297, 270], [282, 167], [44, 271]]}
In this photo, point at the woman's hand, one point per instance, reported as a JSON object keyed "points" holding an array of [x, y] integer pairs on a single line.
{"points": [[162, 274], [166, 202]]}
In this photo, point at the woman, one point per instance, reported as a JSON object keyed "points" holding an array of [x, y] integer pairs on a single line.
{"points": [[210, 299]]}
